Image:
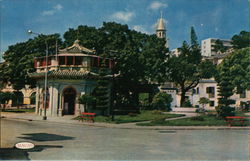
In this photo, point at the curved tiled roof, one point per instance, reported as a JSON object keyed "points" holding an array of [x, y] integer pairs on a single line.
{"points": [[65, 74], [76, 48]]}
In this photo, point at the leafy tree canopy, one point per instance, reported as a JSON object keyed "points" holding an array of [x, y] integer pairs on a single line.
{"points": [[139, 56], [242, 40], [237, 68], [20, 59], [233, 76], [219, 46], [162, 101], [188, 69]]}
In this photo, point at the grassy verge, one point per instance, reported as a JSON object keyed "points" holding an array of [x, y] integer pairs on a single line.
{"points": [[206, 120], [144, 116], [19, 110]]}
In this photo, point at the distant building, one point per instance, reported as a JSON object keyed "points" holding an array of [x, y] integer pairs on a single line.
{"points": [[175, 52], [24, 97], [207, 46]]}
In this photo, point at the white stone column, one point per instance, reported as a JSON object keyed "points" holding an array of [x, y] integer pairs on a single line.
{"points": [[77, 105], [55, 101], [60, 105], [37, 99]]}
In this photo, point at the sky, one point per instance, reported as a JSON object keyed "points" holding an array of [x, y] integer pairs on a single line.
{"points": [[210, 18]]}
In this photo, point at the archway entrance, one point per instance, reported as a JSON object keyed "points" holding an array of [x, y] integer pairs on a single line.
{"points": [[69, 95]]}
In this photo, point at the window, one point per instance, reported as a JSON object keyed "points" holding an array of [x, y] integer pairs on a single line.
{"points": [[197, 90], [78, 60], [211, 103], [49, 61], [62, 60], [69, 60], [44, 62], [211, 92]]}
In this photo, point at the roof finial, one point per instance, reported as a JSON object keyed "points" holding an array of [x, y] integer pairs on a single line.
{"points": [[161, 14]]}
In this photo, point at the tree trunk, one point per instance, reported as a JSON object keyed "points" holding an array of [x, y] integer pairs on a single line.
{"points": [[85, 107], [183, 93]]}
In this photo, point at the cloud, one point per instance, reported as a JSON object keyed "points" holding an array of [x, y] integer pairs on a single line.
{"points": [[123, 16], [48, 12], [139, 28], [56, 8], [156, 5]]}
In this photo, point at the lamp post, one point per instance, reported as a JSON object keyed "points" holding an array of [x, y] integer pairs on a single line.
{"points": [[112, 54], [46, 74]]}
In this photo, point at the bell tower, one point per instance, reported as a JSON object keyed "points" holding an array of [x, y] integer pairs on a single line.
{"points": [[161, 29]]}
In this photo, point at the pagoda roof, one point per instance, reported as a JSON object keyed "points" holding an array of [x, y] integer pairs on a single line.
{"points": [[67, 74], [76, 48]]}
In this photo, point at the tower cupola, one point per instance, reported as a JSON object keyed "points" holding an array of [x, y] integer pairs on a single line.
{"points": [[161, 29]]}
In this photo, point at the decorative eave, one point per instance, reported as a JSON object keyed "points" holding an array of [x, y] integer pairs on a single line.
{"points": [[76, 48], [68, 75]]}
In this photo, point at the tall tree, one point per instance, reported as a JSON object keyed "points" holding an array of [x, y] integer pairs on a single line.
{"points": [[233, 76], [140, 57], [193, 37], [242, 40], [188, 69], [20, 59], [102, 90]]}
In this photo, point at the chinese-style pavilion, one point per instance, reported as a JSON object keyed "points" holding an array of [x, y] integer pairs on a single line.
{"points": [[71, 73]]}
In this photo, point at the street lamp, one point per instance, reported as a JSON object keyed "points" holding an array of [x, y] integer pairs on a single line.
{"points": [[112, 54], [46, 74]]}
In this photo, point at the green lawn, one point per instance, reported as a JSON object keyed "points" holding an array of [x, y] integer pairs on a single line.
{"points": [[206, 120], [144, 116], [19, 110]]}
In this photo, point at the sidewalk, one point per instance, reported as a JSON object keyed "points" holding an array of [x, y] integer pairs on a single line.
{"points": [[68, 120]]}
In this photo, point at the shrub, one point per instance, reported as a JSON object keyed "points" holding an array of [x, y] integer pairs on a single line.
{"points": [[86, 100], [198, 118], [200, 110], [162, 101], [159, 120], [203, 101], [197, 106], [224, 111], [187, 103], [132, 114], [157, 112]]}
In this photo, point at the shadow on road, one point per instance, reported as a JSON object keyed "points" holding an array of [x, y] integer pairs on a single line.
{"points": [[18, 154], [13, 154], [167, 131], [45, 137]]}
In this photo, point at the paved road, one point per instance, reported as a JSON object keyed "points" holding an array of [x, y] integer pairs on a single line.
{"points": [[56, 141]]}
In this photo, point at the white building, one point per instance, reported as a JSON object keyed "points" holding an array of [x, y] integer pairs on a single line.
{"points": [[175, 52], [207, 46]]}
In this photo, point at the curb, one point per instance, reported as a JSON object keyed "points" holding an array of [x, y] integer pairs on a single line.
{"points": [[141, 127]]}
